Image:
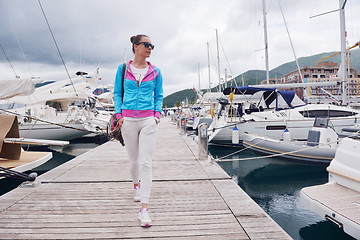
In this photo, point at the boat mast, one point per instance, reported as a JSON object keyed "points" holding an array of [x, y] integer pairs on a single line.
{"points": [[208, 54], [266, 43], [199, 76], [218, 58], [342, 67], [343, 72], [226, 78]]}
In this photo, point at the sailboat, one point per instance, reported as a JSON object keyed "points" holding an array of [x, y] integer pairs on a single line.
{"points": [[13, 160], [58, 110], [336, 200], [266, 117], [274, 112]]}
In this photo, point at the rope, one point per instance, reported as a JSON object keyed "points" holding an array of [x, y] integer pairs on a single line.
{"points": [[243, 149], [52, 123], [269, 156], [227, 125], [4, 172], [62, 59]]}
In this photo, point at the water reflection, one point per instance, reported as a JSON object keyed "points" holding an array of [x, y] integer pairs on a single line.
{"points": [[329, 232], [275, 185]]}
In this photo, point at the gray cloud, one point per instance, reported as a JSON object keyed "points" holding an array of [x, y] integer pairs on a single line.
{"points": [[94, 33]]}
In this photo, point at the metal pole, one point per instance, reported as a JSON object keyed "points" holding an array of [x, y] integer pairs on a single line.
{"points": [[209, 65], [182, 126], [203, 141], [225, 78], [343, 51], [199, 76], [218, 58], [266, 43]]}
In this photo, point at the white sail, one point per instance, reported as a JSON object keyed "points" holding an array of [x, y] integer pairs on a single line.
{"points": [[16, 87]]}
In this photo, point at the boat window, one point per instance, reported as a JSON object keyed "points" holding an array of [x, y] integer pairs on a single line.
{"points": [[55, 105], [276, 127], [327, 113], [43, 83]]}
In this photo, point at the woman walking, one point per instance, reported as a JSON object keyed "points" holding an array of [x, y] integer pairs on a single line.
{"points": [[138, 102]]}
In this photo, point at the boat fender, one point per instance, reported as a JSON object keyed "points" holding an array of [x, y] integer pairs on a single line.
{"points": [[212, 113], [231, 97], [235, 136], [286, 135]]}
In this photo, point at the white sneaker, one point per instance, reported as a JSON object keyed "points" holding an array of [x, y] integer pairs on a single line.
{"points": [[137, 194], [144, 217]]}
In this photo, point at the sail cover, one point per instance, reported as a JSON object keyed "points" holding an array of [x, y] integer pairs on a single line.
{"points": [[15, 87], [245, 90]]}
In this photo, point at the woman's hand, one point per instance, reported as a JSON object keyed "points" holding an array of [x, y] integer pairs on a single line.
{"points": [[120, 123], [157, 120]]}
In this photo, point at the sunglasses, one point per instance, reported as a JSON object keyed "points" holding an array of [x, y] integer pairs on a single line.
{"points": [[146, 44]]}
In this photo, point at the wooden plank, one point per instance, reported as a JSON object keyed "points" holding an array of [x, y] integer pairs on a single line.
{"points": [[91, 197]]}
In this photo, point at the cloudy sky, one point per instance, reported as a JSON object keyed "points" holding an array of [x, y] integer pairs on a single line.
{"points": [[95, 33]]}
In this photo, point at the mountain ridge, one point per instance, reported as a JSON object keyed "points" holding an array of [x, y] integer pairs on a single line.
{"points": [[253, 77]]}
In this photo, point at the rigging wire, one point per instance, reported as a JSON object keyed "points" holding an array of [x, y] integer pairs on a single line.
{"points": [[45, 121], [16, 76], [291, 43], [213, 68], [22, 50], [227, 61], [57, 47]]}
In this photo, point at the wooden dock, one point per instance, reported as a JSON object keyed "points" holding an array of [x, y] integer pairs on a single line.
{"points": [[90, 197]]}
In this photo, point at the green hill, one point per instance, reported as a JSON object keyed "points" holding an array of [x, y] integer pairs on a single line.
{"points": [[253, 77], [178, 97]]}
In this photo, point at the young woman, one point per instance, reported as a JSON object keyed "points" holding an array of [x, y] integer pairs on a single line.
{"points": [[138, 107]]}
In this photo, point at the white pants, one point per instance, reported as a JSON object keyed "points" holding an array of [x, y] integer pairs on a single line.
{"points": [[139, 136]]}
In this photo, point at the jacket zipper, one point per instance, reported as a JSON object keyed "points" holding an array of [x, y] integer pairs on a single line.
{"points": [[138, 90]]}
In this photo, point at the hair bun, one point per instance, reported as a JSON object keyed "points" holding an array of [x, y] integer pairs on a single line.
{"points": [[132, 39]]}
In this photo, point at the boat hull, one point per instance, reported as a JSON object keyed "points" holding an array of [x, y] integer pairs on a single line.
{"points": [[298, 128], [53, 132], [290, 150], [345, 168]]}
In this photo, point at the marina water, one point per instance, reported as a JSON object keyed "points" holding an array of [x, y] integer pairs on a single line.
{"points": [[275, 184]]}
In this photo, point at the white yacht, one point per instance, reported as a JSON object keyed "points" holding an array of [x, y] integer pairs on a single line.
{"points": [[270, 112], [58, 110], [13, 160], [339, 200]]}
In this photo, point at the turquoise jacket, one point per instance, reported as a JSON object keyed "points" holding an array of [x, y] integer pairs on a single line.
{"points": [[140, 100]]}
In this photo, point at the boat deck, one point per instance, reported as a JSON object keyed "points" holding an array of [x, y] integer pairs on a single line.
{"points": [[28, 160], [90, 197], [336, 203]]}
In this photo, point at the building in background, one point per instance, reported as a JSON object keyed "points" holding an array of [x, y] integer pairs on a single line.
{"points": [[323, 72]]}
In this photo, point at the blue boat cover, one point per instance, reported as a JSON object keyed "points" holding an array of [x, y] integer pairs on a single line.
{"points": [[245, 90], [288, 96], [282, 99]]}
